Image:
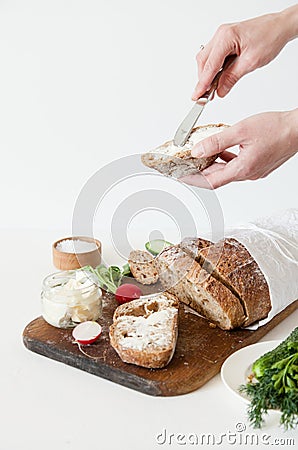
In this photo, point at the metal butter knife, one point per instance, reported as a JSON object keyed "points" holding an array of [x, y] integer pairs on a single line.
{"points": [[186, 127]]}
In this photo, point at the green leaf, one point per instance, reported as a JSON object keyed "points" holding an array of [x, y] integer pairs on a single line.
{"points": [[109, 278], [291, 383], [115, 275], [281, 390], [279, 364], [126, 270], [293, 346], [278, 383]]}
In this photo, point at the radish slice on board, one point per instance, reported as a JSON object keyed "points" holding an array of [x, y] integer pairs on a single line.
{"points": [[87, 332], [127, 292]]}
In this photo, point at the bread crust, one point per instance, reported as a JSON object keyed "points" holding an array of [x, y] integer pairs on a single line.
{"points": [[181, 163], [192, 246], [231, 263], [150, 360], [154, 357], [182, 276], [144, 307]]}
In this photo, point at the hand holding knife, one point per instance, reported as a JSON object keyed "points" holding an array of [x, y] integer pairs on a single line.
{"points": [[184, 130]]}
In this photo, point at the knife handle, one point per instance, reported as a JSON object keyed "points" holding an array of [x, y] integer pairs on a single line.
{"points": [[209, 95]]}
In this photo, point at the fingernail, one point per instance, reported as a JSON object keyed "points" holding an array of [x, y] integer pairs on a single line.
{"points": [[194, 96], [197, 151]]}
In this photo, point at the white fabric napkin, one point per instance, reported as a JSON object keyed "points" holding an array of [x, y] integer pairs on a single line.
{"points": [[273, 242]]}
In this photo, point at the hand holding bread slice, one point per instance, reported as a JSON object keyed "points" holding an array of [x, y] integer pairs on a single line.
{"points": [[177, 162]]}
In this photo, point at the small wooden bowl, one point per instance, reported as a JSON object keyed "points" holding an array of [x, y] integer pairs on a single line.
{"points": [[70, 261]]}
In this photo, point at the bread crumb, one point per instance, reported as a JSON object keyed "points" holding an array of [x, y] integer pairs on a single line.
{"points": [[212, 325]]}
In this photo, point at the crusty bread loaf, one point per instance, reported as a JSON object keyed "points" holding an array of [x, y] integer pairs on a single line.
{"points": [[177, 162], [182, 276], [192, 246], [142, 267], [231, 263], [144, 331]]}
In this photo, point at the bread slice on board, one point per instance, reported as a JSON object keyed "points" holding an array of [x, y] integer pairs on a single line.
{"points": [[231, 263], [142, 266], [182, 276], [144, 331], [177, 162]]}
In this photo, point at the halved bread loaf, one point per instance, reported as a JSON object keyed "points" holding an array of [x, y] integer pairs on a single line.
{"points": [[144, 331], [192, 246], [177, 162], [231, 264], [142, 267], [182, 276]]}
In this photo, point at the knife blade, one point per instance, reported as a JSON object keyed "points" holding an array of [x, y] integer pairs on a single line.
{"points": [[185, 128]]}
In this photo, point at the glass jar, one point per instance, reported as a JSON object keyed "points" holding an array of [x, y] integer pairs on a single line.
{"points": [[70, 297]]}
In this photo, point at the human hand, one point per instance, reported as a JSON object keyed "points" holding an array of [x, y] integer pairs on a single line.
{"points": [[265, 142], [254, 42]]}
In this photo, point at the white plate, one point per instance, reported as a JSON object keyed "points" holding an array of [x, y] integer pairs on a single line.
{"points": [[238, 366]]}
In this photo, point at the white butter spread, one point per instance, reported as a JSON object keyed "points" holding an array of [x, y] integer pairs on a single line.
{"points": [[140, 332], [75, 300], [195, 137]]}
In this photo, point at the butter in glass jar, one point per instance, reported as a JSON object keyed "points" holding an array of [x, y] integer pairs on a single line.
{"points": [[70, 297]]}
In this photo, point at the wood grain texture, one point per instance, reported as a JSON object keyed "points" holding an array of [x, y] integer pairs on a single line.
{"points": [[200, 351], [71, 261]]}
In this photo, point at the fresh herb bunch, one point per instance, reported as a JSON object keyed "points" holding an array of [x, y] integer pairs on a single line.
{"points": [[276, 373], [109, 278]]}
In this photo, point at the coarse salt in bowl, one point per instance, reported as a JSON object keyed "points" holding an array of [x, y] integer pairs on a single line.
{"points": [[75, 252]]}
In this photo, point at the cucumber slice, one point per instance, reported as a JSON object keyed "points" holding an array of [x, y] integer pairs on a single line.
{"points": [[156, 246]]}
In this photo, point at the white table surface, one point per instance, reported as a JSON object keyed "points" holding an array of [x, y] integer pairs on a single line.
{"points": [[48, 405]]}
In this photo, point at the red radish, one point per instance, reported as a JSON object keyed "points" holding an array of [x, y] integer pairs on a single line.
{"points": [[87, 332], [127, 292]]}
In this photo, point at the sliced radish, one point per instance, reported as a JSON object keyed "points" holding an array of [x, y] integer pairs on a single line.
{"points": [[127, 292], [87, 332]]}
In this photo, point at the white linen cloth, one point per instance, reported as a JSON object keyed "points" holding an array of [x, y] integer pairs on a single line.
{"points": [[273, 242]]}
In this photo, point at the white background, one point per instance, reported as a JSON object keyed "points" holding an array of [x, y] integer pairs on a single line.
{"points": [[83, 83]]}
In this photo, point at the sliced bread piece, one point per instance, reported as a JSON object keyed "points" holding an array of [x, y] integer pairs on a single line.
{"points": [[142, 266], [182, 276], [144, 331], [231, 263], [177, 162]]}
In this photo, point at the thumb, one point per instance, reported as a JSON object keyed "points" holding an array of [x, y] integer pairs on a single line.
{"points": [[231, 75], [216, 143]]}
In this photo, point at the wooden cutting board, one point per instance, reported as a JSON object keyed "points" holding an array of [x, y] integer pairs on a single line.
{"points": [[200, 351]]}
